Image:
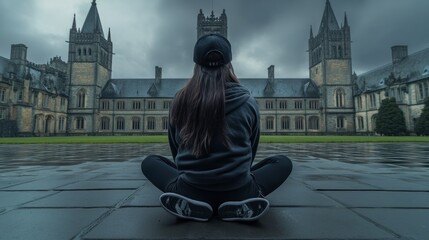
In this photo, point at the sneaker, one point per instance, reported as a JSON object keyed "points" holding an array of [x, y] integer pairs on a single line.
{"points": [[247, 210], [186, 208]]}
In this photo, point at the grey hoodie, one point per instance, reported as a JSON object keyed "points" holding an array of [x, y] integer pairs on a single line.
{"points": [[224, 168]]}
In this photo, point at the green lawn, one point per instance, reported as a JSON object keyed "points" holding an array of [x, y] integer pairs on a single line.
{"points": [[163, 139]]}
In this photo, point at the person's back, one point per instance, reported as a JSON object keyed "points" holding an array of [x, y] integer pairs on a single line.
{"points": [[213, 137]]}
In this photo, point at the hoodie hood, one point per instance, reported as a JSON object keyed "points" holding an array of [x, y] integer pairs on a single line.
{"points": [[235, 96]]}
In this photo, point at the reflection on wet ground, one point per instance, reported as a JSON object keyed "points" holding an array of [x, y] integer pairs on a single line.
{"points": [[398, 154]]}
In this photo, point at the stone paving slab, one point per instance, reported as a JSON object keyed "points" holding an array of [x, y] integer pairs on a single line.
{"points": [[381, 199], [278, 223], [404, 222], [106, 184], [40, 185], [101, 198], [46, 224], [12, 198]]}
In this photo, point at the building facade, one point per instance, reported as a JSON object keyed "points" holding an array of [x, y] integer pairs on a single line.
{"points": [[80, 97]]}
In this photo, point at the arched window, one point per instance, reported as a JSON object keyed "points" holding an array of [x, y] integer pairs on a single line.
{"points": [[151, 123], [340, 51], [84, 51], [105, 123], [270, 123], [341, 122], [81, 99], [374, 122], [79, 52], [361, 125], [89, 51], [285, 123], [299, 123], [333, 52], [80, 123], [313, 123], [339, 98], [120, 123], [165, 123], [136, 123]]}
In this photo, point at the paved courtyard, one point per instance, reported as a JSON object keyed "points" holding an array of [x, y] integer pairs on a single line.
{"points": [[336, 191]]}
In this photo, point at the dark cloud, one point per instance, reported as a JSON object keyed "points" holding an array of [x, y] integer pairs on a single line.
{"points": [[163, 32]]}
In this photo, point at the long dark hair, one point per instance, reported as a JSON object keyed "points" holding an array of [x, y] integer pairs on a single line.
{"points": [[198, 110]]}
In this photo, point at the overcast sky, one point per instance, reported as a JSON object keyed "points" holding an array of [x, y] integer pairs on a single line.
{"points": [[149, 33]]}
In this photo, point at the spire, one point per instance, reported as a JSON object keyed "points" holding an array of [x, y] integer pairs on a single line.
{"points": [[74, 23], [311, 31], [92, 22], [329, 21], [108, 37], [346, 23]]}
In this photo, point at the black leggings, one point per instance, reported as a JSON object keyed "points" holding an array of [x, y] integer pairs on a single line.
{"points": [[268, 175]]}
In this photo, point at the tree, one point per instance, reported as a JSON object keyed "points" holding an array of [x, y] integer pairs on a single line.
{"points": [[390, 119], [422, 123]]}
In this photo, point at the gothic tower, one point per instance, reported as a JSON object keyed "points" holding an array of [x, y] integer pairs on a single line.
{"points": [[90, 67], [331, 68], [212, 24]]}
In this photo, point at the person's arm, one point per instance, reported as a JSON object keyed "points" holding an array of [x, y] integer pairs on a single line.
{"points": [[254, 137], [172, 140]]}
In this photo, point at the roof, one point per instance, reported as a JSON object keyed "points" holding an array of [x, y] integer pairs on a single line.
{"points": [[4, 65], [414, 67], [329, 20], [146, 88], [92, 22]]}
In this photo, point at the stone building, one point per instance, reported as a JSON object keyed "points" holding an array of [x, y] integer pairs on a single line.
{"points": [[33, 97], [406, 79], [80, 97]]}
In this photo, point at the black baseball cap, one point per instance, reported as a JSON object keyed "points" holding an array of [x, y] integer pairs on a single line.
{"points": [[212, 50]]}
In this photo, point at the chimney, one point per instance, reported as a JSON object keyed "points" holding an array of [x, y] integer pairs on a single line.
{"points": [[158, 75], [271, 72], [18, 53], [399, 52]]}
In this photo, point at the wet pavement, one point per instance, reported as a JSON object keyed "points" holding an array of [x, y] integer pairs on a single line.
{"points": [[336, 191]]}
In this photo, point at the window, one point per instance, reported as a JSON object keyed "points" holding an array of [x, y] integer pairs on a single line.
{"points": [[20, 94], [167, 104], [298, 104], [120, 123], [2, 94], [46, 100], [313, 123], [299, 123], [79, 52], [340, 52], [120, 105], [269, 104], [136, 105], [61, 123], [360, 123], [89, 51], [62, 103], [359, 102], [105, 123], [426, 88], [81, 99], [270, 123], [164, 123], [2, 113], [314, 104], [80, 123], [105, 105], [372, 100], [340, 122], [334, 51], [283, 104], [84, 51], [151, 105], [151, 123], [339, 98], [136, 123], [285, 123]]}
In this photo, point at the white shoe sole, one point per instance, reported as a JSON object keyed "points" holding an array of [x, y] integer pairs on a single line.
{"points": [[186, 208], [247, 210]]}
